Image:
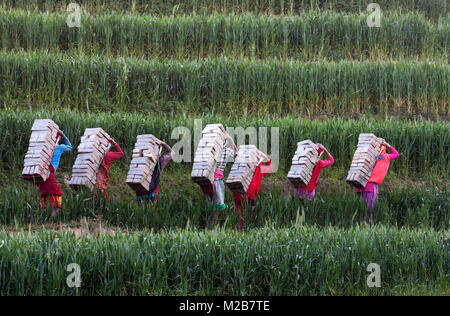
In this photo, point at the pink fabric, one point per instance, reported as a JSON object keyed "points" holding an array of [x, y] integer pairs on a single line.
{"points": [[370, 197], [322, 164], [371, 186], [394, 153], [218, 174], [303, 193]]}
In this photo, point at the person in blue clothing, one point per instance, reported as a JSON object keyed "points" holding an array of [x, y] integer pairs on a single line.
{"points": [[50, 190], [63, 146]]}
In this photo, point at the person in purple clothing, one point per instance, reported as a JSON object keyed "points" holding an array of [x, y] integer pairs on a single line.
{"points": [[152, 193]]}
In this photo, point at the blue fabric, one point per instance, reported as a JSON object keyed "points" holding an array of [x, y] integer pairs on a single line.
{"points": [[59, 150], [145, 197]]}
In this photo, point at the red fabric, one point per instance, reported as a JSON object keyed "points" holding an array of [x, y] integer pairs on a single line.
{"points": [[322, 164], [53, 200], [102, 177], [255, 185], [103, 192], [50, 186]]}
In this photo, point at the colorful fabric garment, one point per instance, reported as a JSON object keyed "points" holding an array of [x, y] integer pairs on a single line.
{"points": [[370, 197], [219, 194], [103, 192], [156, 176], [255, 184], [314, 181], [222, 163], [303, 193], [381, 167], [380, 170], [59, 150], [53, 200], [102, 177], [50, 186]]}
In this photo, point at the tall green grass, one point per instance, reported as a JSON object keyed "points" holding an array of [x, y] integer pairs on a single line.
{"points": [[423, 146], [433, 9], [294, 261], [328, 35], [181, 203], [224, 85]]}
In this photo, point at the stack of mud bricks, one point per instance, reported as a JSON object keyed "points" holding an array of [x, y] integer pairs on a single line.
{"points": [[91, 152], [243, 169], [364, 160], [145, 157], [40, 151], [208, 153], [303, 162]]}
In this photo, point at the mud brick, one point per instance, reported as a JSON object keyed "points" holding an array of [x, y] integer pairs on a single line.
{"points": [[91, 152], [208, 153], [243, 169], [43, 140], [364, 159], [146, 153], [305, 158]]}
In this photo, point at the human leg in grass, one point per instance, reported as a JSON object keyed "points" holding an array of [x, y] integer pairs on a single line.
{"points": [[370, 197], [54, 201], [218, 199], [302, 193]]}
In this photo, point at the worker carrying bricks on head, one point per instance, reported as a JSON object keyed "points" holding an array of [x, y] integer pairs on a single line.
{"points": [[47, 144], [102, 176], [152, 193], [370, 192], [215, 192], [306, 167], [50, 190], [242, 200]]}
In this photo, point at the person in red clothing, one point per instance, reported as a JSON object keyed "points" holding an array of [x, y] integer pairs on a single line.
{"points": [[310, 191], [379, 171], [49, 190], [242, 200], [102, 177]]}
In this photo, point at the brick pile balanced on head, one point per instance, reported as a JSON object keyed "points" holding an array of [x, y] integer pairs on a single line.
{"points": [[243, 169], [146, 153], [364, 160], [303, 162], [43, 141], [91, 152], [208, 153]]}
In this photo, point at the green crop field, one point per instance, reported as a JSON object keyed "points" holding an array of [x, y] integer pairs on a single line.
{"points": [[290, 70]]}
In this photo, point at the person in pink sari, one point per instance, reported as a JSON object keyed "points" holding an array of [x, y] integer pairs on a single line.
{"points": [[370, 193]]}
